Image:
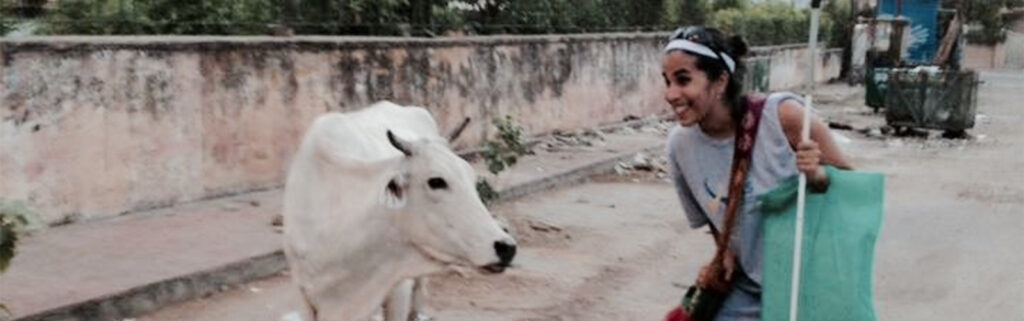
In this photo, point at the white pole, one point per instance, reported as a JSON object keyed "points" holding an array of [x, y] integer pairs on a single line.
{"points": [[801, 198], [805, 135], [813, 49]]}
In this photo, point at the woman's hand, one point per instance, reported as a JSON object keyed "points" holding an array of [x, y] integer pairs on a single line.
{"points": [[711, 274], [808, 162], [820, 149]]}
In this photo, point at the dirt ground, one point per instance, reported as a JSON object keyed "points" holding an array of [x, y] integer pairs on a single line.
{"points": [[609, 250], [618, 248]]}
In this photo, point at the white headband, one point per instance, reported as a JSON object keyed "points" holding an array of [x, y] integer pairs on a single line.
{"points": [[693, 47]]}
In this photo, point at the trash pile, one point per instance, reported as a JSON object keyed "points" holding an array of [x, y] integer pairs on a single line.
{"points": [[644, 163], [653, 124], [562, 140]]}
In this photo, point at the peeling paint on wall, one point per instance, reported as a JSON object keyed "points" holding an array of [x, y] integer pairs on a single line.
{"points": [[96, 127]]}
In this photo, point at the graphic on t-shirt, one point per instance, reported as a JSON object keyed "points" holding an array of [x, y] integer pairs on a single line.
{"points": [[715, 198]]}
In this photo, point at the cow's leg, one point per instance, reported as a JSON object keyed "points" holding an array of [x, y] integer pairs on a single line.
{"points": [[398, 306], [419, 300], [378, 315]]}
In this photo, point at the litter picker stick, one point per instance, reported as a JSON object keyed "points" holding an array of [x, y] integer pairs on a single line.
{"points": [[801, 199], [813, 42], [805, 135]]}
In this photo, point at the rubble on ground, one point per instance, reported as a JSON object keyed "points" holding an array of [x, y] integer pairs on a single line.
{"points": [[561, 140], [543, 227], [643, 163], [909, 137]]}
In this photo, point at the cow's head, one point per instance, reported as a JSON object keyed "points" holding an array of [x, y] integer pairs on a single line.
{"points": [[440, 210]]}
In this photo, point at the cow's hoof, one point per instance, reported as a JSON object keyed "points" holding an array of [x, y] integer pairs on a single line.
{"points": [[420, 317]]}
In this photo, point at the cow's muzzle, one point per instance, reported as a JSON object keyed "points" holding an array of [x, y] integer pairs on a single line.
{"points": [[506, 252]]}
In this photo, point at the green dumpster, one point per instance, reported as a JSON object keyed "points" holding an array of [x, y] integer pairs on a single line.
{"points": [[931, 98], [875, 80], [876, 77]]}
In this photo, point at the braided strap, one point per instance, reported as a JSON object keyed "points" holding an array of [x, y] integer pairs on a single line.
{"points": [[746, 135]]}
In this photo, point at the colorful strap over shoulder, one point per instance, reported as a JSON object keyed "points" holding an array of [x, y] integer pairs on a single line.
{"points": [[746, 136]]}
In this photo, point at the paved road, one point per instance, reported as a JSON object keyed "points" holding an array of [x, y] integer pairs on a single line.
{"points": [[951, 244]]}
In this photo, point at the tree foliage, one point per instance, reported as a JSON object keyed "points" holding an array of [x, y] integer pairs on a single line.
{"points": [[6, 17], [769, 23], [686, 12], [564, 16], [729, 4], [367, 17], [840, 31], [6, 24], [986, 19], [163, 17]]}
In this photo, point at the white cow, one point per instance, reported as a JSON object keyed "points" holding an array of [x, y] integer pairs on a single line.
{"points": [[375, 198]]}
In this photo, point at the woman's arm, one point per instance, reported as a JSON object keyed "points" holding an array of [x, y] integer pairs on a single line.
{"points": [[822, 149]]}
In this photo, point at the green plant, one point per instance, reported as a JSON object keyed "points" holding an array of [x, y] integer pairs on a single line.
{"points": [[16, 219], [487, 193], [504, 151], [501, 153]]}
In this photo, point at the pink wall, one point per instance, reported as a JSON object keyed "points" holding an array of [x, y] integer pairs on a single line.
{"points": [[95, 127]]}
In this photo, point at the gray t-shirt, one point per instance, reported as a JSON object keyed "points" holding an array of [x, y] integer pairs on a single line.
{"points": [[700, 167]]}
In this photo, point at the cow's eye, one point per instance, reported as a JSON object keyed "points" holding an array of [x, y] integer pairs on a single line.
{"points": [[437, 183]]}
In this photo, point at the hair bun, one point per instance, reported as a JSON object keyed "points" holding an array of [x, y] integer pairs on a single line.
{"points": [[737, 47]]}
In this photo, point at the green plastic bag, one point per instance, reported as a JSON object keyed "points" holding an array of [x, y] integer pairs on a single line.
{"points": [[840, 229]]}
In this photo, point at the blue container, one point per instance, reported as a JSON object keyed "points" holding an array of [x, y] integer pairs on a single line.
{"points": [[923, 16]]}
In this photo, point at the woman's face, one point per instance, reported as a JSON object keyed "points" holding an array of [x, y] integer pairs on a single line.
{"points": [[688, 90]]}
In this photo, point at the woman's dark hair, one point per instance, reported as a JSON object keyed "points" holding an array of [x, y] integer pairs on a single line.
{"points": [[733, 46]]}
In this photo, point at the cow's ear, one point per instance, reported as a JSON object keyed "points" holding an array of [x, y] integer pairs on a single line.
{"points": [[396, 191], [399, 144]]}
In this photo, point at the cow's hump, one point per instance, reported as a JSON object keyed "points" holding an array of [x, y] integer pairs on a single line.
{"points": [[361, 136]]}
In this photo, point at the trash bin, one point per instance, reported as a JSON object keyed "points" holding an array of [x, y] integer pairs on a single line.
{"points": [[876, 78], [875, 82], [931, 98]]}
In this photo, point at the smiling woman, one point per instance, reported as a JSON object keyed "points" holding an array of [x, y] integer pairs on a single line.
{"points": [[717, 174]]}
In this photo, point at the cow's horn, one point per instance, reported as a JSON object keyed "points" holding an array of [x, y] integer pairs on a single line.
{"points": [[458, 130], [399, 144]]}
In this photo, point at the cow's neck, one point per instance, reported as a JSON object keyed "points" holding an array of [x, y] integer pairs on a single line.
{"points": [[375, 266]]}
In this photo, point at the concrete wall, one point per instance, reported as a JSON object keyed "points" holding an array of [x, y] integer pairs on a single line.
{"points": [[788, 65], [95, 127], [979, 56], [1008, 54], [1013, 52]]}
